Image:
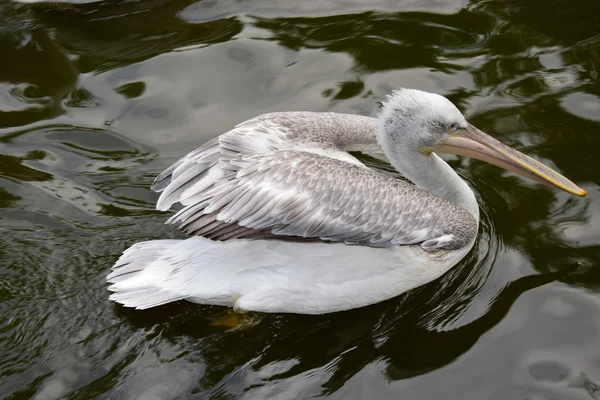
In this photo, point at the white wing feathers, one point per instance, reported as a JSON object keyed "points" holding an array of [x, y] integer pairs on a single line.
{"points": [[266, 179]]}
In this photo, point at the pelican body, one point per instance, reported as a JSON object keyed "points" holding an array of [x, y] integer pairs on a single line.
{"points": [[284, 219]]}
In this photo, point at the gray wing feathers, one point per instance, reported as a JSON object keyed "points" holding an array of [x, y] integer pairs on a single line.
{"points": [[264, 179], [292, 193], [189, 175]]}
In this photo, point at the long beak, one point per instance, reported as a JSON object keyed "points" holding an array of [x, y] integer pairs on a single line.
{"points": [[474, 143]]}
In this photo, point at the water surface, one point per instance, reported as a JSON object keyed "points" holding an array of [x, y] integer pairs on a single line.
{"points": [[97, 98]]}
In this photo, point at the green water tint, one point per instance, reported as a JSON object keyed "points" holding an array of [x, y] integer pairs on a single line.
{"points": [[97, 99]]}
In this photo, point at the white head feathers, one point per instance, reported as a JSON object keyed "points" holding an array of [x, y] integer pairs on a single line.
{"points": [[414, 112]]}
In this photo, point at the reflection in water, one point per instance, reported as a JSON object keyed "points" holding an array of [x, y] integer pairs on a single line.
{"points": [[98, 98], [109, 36], [379, 41], [394, 333], [40, 76]]}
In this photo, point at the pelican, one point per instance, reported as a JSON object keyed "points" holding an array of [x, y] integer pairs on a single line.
{"points": [[285, 220]]}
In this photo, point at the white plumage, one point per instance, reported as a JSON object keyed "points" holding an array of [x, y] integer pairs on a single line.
{"points": [[291, 222], [270, 276]]}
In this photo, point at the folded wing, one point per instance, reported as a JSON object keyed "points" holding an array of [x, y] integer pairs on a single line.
{"points": [[266, 179]]}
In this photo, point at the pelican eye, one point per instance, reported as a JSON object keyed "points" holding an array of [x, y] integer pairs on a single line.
{"points": [[452, 127]]}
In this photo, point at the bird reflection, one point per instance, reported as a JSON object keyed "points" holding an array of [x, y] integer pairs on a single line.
{"points": [[392, 331], [449, 345]]}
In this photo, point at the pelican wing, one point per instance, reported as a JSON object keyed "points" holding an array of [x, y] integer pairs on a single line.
{"points": [[268, 179]]}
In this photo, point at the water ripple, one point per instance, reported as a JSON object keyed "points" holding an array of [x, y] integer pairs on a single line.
{"points": [[99, 97]]}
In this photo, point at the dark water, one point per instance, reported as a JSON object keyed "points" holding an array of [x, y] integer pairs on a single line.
{"points": [[96, 99]]}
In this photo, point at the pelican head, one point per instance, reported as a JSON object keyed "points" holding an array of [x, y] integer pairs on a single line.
{"points": [[414, 123]]}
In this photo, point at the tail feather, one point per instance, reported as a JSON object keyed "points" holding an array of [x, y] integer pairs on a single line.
{"points": [[139, 275], [151, 298], [135, 258]]}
